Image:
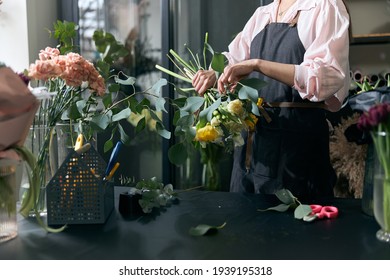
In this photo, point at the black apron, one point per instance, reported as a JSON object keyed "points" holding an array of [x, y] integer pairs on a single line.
{"points": [[292, 151]]}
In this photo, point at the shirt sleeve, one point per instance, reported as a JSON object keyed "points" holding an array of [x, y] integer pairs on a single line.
{"points": [[239, 48], [324, 73]]}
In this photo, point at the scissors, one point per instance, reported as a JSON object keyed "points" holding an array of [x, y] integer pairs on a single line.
{"points": [[113, 158], [321, 212]]}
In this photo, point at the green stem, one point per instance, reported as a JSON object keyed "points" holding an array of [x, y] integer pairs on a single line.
{"points": [[386, 204], [180, 77]]}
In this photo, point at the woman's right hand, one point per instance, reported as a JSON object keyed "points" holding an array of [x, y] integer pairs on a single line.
{"points": [[203, 80]]}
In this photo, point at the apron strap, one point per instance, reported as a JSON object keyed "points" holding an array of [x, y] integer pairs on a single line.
{"points": [[319, 105], [294, 21]]}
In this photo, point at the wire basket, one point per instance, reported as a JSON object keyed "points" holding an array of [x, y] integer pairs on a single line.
{"points": [[77, 193]]}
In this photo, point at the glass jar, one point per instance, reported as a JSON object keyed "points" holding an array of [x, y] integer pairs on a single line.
{"points": [[9, 186]]}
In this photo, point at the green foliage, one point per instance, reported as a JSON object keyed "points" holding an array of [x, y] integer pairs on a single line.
{"points": [[108, 111], [110, 51], [65, 32], [153, 193], [290, 202]]}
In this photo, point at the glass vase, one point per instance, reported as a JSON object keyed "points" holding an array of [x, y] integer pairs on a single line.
{"points": [[381, 203], [51, 145], [9, 190]]}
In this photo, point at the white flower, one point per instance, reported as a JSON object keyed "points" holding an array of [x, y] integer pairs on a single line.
{"points": [[235, 107], [215, 121]]}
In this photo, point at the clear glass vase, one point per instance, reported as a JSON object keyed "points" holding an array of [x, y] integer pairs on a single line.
{"points": [[9, 190], [51, 146], [381, 203]]}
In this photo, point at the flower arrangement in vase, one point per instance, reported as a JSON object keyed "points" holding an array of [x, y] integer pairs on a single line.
{"points": [[74, 90], [377, 123]]}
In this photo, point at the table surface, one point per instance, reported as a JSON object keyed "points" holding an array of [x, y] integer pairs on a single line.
{"points": [[248, 234]]}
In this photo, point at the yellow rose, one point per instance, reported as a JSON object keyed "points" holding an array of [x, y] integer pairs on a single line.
{"points": [[207, 134], [235, 107]]}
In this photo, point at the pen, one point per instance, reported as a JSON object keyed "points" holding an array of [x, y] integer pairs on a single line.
{"points": [[112, 171], [113, 157]]}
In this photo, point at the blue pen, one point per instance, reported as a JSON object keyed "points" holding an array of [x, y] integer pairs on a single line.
{"points": [[113, 157]]}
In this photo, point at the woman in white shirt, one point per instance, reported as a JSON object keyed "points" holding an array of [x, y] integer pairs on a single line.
{"points": [[300, 48]]}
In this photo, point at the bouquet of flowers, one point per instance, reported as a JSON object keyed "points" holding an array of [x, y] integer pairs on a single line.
{"points": [[213, 120]]}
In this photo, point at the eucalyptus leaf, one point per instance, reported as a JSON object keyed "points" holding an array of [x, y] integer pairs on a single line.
{"points": [[129, 81], [193, 104], [208, 112], [140, 125], [255, 109], [203, 229], [124, 114], [160, 105], [156, 88], [250, 93], [177, 153], [285, 196], [302, 210], [113, 87], [185, 121], [279, 208], [123, 135], [100, 122], [162, 131]]}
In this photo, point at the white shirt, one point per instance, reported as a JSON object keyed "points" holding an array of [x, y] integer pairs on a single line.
{"points": [[323, 30]]}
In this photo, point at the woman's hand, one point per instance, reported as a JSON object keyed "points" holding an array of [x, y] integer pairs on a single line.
{"points": [[203, 80], [234, 73]]}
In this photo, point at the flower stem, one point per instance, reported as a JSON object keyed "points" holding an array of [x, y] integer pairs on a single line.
{"points": [[180, 77]]}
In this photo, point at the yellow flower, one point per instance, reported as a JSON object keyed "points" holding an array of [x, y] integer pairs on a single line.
{"points": [[235, 107], [207, 133], [260, 102], [134, 118], [251, 122]]}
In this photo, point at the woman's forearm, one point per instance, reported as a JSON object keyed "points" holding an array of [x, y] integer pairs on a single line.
{"points": [[278, 71]]}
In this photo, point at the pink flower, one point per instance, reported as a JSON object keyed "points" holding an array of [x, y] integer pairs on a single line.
{"points": [[44, 70], [97, 84], [376, 115], [72, 68], [49, 53]]}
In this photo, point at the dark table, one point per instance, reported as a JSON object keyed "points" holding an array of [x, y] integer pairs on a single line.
{"points": [[248, 234]]}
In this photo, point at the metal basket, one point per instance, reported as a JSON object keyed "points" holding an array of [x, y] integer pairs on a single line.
{"points": [[77, 193]]}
